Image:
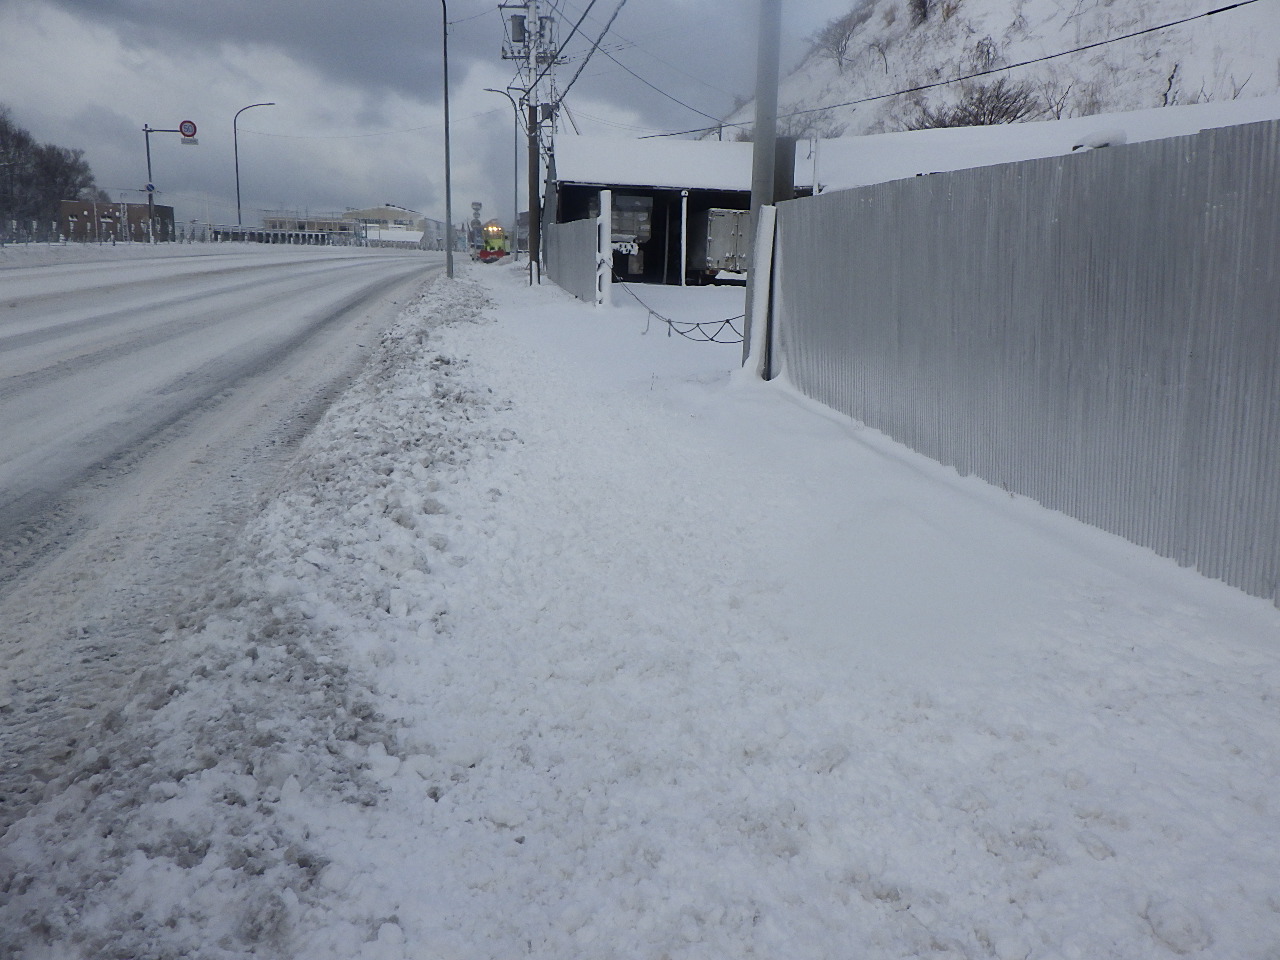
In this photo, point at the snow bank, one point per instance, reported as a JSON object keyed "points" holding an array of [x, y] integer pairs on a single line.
{"points": [[558, 643], [857, 161]]}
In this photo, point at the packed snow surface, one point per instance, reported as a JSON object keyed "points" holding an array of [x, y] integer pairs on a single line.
{"points": [[562, 640]]}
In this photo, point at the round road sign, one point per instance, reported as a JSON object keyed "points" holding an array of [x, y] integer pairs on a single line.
{"points": [[187, 128]]}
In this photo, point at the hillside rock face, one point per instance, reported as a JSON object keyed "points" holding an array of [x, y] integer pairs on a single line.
{"points": [[883, 46]]}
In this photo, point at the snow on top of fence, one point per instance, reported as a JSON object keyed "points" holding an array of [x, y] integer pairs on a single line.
{"points": [[859, 161]]}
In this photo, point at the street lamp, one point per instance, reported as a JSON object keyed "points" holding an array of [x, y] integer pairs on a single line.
{"points": [[448, 174], [515, 173], [235, 137]]}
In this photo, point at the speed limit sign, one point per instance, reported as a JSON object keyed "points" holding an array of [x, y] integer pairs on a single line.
{"points": [[187, 128]]}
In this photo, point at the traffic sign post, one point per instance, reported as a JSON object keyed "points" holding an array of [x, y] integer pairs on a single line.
{"points": [[187, 129]]}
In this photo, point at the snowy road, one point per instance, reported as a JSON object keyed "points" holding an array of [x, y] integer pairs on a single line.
{"points": [[147, 403], [98, 360]]}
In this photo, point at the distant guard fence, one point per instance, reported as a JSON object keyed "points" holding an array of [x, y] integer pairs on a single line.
{"points": [[578, 255]]}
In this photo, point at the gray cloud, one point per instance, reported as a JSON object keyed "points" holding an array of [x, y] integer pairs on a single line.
{"points": [[358, 86], [391, 44]]}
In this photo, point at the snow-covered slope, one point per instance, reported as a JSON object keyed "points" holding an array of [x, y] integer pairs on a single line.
{"points": [[883, 46]]}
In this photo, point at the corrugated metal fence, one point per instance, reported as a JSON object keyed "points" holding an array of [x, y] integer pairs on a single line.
{"points": [[1100, 332], [570, 256]]}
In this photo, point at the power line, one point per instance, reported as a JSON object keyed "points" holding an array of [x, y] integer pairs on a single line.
{"points": [[612, 123], [594, 47], [341, 136], [647, 83], [973, 76], [474, 16], [626, 43], [660, 90], [552, 60]]}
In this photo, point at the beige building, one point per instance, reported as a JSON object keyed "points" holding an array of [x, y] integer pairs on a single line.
{"points": [[283, 221], [387, 217]]}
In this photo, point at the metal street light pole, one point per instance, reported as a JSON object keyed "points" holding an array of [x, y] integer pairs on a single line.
{"points": [[448, 173], [515, 173], [235, 137]]}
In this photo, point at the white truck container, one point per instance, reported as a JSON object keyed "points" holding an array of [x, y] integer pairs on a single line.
{"points": [[720, 244]]}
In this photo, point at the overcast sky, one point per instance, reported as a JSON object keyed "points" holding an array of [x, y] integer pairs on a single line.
{"points": [[358, 119]]}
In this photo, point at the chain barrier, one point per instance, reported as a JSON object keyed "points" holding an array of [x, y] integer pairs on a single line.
{"points": [[709, 331]]}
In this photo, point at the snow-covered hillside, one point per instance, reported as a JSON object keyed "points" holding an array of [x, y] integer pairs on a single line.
{"points": [[883, 46]]}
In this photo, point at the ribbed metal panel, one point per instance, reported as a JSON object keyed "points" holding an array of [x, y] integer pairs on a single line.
{"points": [[1100, 332], [570, 256]]}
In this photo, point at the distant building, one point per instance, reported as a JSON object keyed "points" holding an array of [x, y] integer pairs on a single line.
{"points": [[94, 221], [336, 225], [394, 225], [385, 226], [387, 217]]}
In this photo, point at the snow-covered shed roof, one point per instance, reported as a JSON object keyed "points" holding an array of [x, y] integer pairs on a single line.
{"points": [[660, 162]]}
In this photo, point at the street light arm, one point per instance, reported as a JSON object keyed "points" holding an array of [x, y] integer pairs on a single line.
{"points": [[235, 139], [250, 107], [515, 173]]}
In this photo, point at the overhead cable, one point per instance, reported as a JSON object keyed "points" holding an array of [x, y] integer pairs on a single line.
{"points": [[594, 47], [551, 62], [972, 76], [661, 91]]}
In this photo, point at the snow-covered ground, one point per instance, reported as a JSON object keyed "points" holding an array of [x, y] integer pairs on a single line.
{"points": [[561, 640]]}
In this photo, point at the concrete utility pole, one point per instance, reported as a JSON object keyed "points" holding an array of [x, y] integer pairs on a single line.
{"points": [[764, 148], [448, 168], [532, 45], [534, 31]]}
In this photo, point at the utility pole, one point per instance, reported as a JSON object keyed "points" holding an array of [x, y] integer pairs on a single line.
{"points": [[448, 163], [764, 143], [531, 43], [533, 28]]}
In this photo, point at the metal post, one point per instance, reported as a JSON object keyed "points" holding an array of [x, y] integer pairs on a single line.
{"points": [[535, 218], [151, 189], [448, 172], [235, 138], [515, 180], [764, 144], [533, 25], [684, 237], [515, 172], [604, 250]]}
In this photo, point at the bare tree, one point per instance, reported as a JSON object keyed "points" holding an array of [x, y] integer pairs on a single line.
{"points": [[36, 177], [1055, 98], [879, 47], [834, 39], [983, 105]]}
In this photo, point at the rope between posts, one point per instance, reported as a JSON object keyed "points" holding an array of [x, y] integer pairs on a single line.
{"points": [[708, 331]]}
